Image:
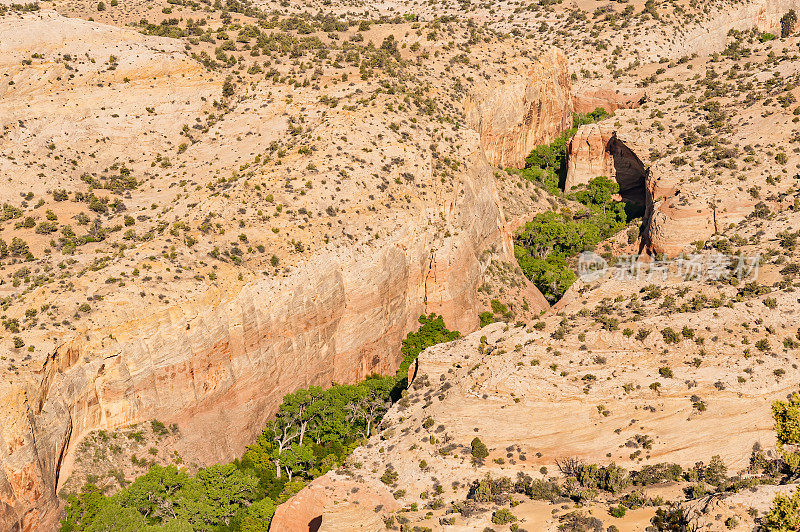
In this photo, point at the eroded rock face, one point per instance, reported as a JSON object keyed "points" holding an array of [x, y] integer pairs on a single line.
{"points": [[673, 223], [514, 117], [589, 99], [219, 364], [496, 394], [595, 151]]}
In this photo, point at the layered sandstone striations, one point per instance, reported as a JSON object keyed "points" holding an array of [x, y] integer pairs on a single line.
{"points": [[219, 365], [523, 111], [595, 151], [292, 216], [589, 98], [217, 357]]}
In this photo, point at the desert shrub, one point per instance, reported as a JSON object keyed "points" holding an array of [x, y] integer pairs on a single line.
{"points": [[503, 516], [784, 515], [490, 489], [578, 521], [657, 473], [537, 489], [618, 511], [479, 449], [670, 335], [634, 499], [390, 476], [607, 478], [670, 519]]}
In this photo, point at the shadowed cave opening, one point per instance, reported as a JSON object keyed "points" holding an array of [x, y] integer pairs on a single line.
{"points": [[630, 174], [591, 165]]}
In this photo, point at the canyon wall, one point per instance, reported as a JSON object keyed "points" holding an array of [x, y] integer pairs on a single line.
{"points": [[525, 111], [219, 365], [710, 35], [673, 223]]}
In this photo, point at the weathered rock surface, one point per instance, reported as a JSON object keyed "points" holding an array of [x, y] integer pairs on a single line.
{"points": [[710, 35], [671, 225], [712, 513], [219, 361], [328, 504], [594, 151], [590, 98], [503, 385], [523, 112]]}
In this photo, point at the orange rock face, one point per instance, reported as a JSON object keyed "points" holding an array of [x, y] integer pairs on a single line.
{"points": [[524, 112], [219, 367], [594, 151]]}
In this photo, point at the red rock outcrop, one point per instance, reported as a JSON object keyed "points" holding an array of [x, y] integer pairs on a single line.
{"points": [[524, 112], [588, 100], [594, 151]]}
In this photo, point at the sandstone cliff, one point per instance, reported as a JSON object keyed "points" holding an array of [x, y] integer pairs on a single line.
{"points": [[220, 366], [710, 35], [594, 151], [218, 361], [523, 111], [672, 224]]}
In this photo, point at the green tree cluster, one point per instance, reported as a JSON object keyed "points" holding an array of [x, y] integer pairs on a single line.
{"points": [[544, 245], [168, 499], [314, 431]]}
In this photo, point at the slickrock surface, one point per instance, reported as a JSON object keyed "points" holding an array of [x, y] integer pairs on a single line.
{"points": [[534, 400], [198, 223]]}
